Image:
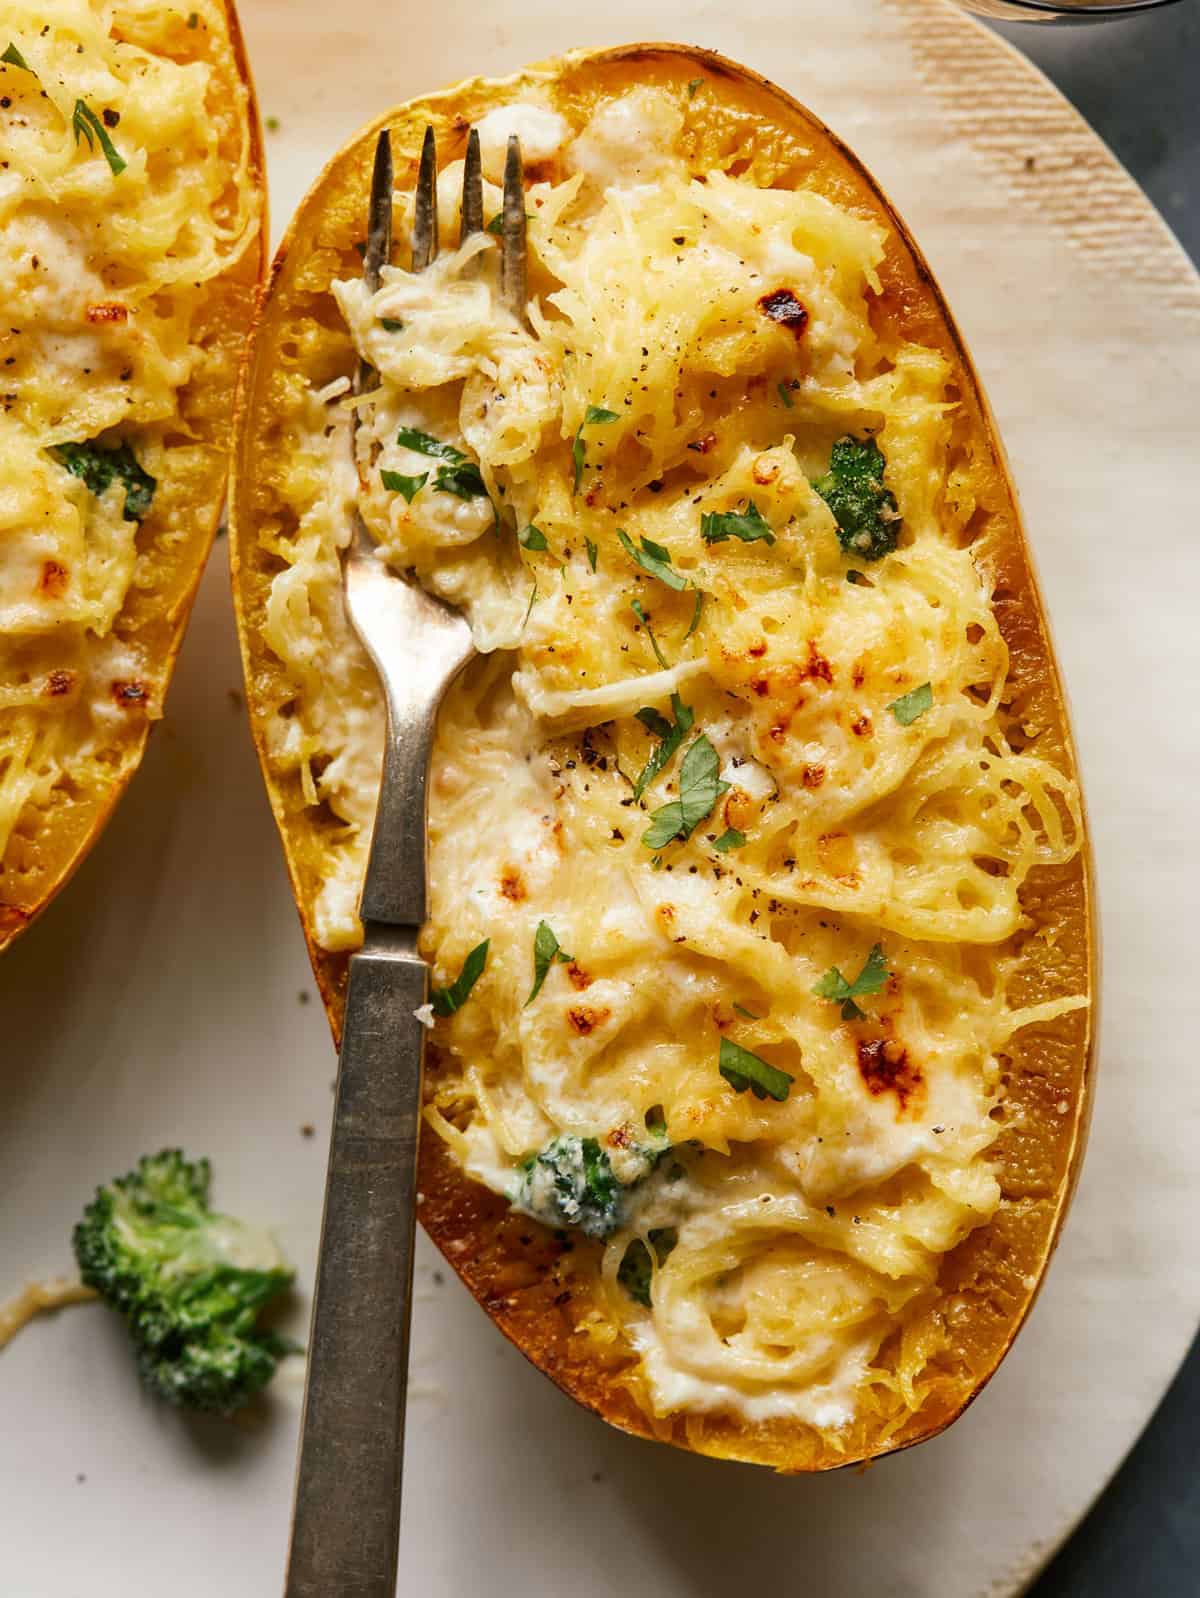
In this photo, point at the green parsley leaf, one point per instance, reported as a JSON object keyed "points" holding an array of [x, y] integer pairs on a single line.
{"points": [[193, 20], [859, 579], [592, 552], [636, 1270], [863, 506], [748, 525], [397, 483], [14, 58], [533, 594], [532, 537], [446, 1000], [695, 621], [98, 466], [742, 1010], [695, 84], [731, 838], [871, 979], [672, 735], [391, 325], [909, 707], [595, 415], [87, 125], [426, 444], [655, 559], [699, 789], [545, 952], [636, 608], [271, 124], [784, 391], [743, 1070], [466, 481]]}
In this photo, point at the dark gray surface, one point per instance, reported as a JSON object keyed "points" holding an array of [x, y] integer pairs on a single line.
{"points": [[1138, 83]]}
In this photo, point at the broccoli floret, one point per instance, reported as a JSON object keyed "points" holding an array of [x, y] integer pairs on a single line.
{"points": [[868, 521], [98, 466], [571, 1182], [190, 1283], [636, 1271]]}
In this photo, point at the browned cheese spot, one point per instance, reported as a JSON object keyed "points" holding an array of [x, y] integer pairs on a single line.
{"points": [[885, 1067]]}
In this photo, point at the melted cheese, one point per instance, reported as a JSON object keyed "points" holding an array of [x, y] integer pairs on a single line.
{"points": [[105, 277], [808, 1230]]}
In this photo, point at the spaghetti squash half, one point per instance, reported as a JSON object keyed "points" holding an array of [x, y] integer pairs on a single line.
{"points": [[760, 924], [131, 246]]}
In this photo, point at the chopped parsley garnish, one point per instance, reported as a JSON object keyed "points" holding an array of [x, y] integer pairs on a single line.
{"points": [[636, 1270], [193, 20], [594, 416], [398, 483], [446, 1000], [859, 579], [742, 1070], [696, 610], [532, 537], [466, 481], [87, 125], [671, 733], [868, 522], [748, 525], [460, 476], [271, 124], [545, 952], [784, 390], [871, 979], [592, 552], [700, 787], [636, 607], [391, 325], [14, 58], [426, 444], [909, 707], [695, 84], [742, 1010], [655, 559], [533, 595], [99, 466], [731, 838]]}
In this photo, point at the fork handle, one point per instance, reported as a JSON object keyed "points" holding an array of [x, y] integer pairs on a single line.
{"points": [[346, 1525]]}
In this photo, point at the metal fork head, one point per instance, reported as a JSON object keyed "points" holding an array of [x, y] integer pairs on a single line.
{"points": [[512, 214], [417, 642]]}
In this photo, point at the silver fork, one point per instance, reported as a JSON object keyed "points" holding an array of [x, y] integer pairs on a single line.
{"points": [[346, 1521]]}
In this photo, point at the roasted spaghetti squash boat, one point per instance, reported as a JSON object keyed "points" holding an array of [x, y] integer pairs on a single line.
{"points": [[757, 1079], [131, 247]]}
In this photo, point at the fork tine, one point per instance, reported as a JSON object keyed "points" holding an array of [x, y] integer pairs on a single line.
{"points": [[512, 233], [425, 209], [472, 191], [378, 249], [379, 223]]}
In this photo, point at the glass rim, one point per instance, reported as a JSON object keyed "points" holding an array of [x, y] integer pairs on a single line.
{"points": [[1106, 8]]}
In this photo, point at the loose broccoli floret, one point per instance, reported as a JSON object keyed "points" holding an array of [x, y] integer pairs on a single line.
{"points": [[865, 508], [189, 1282]]}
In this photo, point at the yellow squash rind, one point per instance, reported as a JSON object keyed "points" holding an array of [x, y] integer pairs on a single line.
{"points": [[535, 1289]]}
